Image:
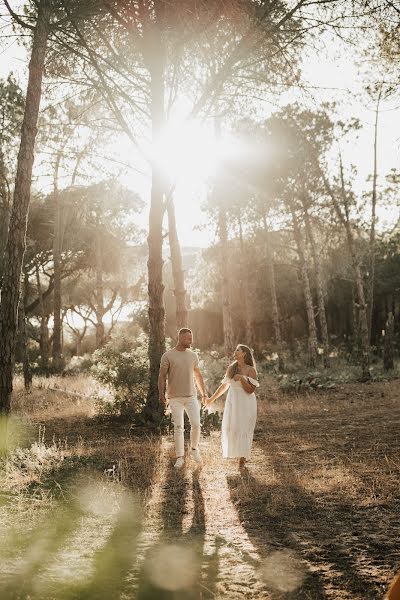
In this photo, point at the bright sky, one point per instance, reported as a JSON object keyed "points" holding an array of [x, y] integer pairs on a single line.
{"points": [[333, 71], [344, 80]]}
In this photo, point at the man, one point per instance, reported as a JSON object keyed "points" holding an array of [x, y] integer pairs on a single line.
{"points": [[181, 367]]}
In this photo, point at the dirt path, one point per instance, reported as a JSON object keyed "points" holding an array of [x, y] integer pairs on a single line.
{"points": [[194, 508], [313, 516]]}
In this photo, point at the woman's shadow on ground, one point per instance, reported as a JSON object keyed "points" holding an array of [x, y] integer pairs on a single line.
{"points": [[284, 519]]}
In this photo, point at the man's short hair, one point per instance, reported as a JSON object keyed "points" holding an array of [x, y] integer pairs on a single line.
{"points": [[184, 330]]}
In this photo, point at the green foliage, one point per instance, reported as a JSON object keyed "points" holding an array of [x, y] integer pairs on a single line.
{"points": [[78, 365], [125, 370], [11, 113], [210, 421], [303, 380]]}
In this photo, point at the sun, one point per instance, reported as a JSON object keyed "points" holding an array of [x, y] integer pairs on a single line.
{"points": [[189, 152], [190, 157]]}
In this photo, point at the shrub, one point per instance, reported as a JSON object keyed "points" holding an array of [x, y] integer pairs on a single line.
{"points": [[78, 365], [126, 372], [304, 380], [210, 421]]}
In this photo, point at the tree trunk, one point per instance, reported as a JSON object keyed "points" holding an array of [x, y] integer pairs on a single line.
{"points": [[155, 59], [244, 289], [5, 202], [274, 301], [57, 344], [16, 242], [312, 330], [220, 202], [229, 341], [177, 270], [23, 340], [44, 330], [372, 237], [388, 362], [78, 340], [354, 318], [362, 313], [319, 286], [100, 332], [363, 320]]}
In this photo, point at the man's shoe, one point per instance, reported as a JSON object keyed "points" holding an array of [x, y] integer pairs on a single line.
{"points": [[179, 462], [195, 454]]}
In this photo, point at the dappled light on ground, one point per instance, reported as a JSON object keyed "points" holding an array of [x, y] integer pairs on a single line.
{"points": [[102, 513]]}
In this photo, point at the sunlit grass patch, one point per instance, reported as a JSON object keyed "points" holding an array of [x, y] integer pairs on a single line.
{"points": [[328, 479], [57, 397], [28, 465]]}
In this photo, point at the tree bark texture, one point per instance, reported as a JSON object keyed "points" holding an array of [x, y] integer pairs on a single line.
{"points": [[274, 300], [16, 242], [244, 289], [220, 203], [362, 305], [5, 204], [155, 60], [26, 368], [312, 330], [44, 330], [388, 350], [100, 310], [372, 236], [319, 286], [178, 273], [57, 342], [229, 340]]}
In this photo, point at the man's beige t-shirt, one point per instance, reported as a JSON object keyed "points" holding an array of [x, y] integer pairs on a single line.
{"points": [[180, 365]]}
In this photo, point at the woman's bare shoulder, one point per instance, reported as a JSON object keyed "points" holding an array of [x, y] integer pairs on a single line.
{"points": [[252, 373]]}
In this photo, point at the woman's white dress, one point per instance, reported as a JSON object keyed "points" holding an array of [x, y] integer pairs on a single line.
{"points": [[239, 420]]}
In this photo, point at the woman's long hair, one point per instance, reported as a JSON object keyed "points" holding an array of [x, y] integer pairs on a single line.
{"points": [[233, 368]]}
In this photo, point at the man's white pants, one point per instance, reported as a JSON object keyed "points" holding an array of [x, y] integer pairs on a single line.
{"points": [[191, 405]]}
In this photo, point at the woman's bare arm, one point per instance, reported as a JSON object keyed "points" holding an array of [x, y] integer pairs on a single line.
{"points": [[219, 391]]}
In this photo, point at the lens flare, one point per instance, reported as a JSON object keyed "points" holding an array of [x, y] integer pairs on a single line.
{"points": [[283, 572], [172, 568]]}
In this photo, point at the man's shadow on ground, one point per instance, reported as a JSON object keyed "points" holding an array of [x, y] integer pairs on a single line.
{"points": [[173, 511]]}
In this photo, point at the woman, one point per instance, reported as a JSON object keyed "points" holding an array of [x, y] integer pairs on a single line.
{"points": [[240, 411]]}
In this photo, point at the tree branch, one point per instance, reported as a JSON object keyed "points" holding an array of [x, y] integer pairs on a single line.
{"points": [[17, 18]]}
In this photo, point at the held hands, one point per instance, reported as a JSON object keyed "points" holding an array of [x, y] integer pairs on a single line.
{"points": [[237, 377], [208, 401], [205, 400]]}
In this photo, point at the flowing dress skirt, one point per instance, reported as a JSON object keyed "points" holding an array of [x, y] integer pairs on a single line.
{"points": [[239, 419]]}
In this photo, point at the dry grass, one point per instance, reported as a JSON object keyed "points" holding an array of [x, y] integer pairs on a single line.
{"points": [[313, 516]]}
